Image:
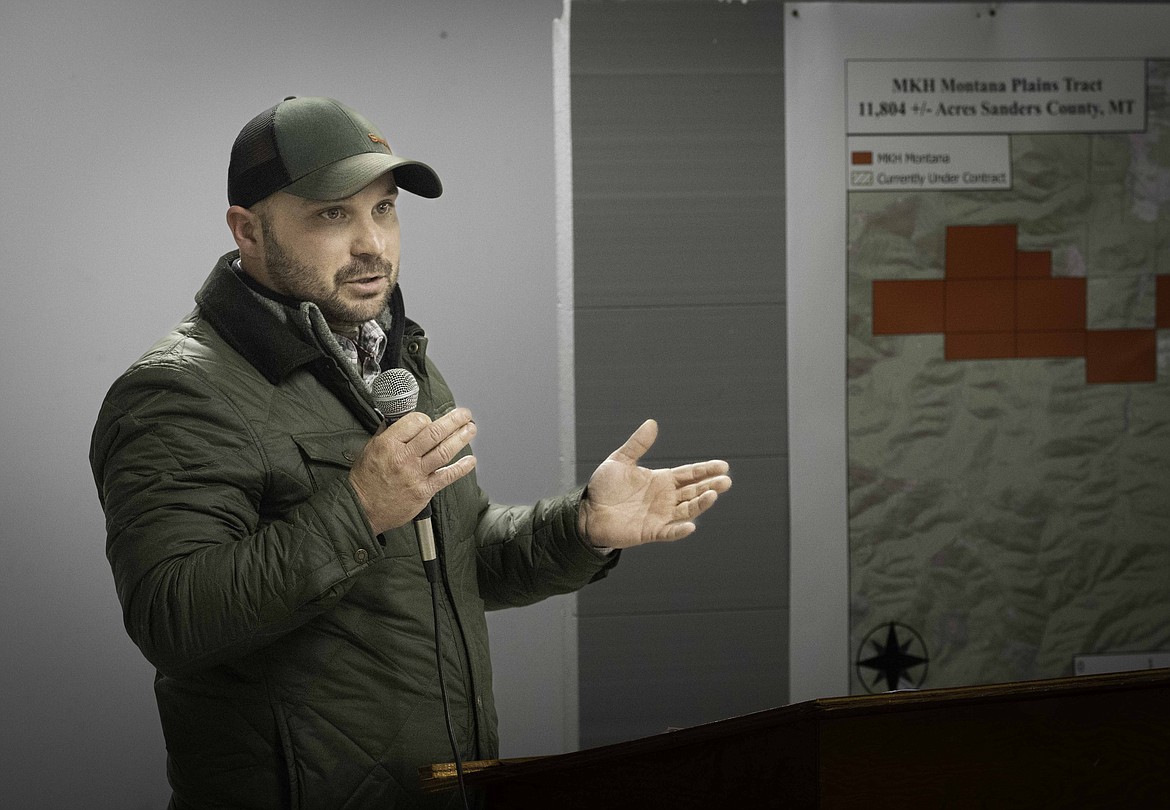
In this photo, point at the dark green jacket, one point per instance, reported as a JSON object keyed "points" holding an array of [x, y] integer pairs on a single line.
{"points": [[294, 649]]}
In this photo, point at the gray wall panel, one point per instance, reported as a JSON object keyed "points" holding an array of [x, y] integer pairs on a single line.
{"points": [[678, 275], [698, 37], [679, 252], [666, 134], [641, 675], [712, 376]]}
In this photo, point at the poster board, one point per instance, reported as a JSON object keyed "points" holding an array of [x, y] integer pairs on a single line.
{"points": [[979, 282]]}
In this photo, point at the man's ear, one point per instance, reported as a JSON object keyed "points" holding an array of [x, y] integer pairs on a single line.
{"points": [[246, 230]]}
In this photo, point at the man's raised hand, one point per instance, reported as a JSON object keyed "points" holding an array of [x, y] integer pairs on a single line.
{"points": [[628, 505]]}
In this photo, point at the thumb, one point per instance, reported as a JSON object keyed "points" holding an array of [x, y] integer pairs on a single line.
{"points": [[636, 446]]}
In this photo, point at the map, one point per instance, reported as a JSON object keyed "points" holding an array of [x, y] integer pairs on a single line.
{"points": [[1008, 402]]}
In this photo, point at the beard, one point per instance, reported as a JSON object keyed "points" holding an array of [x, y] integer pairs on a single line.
{"points": [[305, 282]]}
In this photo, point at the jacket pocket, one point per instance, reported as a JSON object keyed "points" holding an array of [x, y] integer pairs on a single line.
{"points": [[329, 455]]}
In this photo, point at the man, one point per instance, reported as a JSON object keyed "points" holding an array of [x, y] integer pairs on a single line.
{"points": [[259, 511]]}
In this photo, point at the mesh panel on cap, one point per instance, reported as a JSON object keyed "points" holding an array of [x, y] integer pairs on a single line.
{"points": [[256, 169]]}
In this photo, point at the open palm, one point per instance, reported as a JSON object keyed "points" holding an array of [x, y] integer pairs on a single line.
{"points": [[628, 505]]}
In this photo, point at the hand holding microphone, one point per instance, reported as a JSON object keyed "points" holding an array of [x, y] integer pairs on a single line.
{"points": [[400, 469]]}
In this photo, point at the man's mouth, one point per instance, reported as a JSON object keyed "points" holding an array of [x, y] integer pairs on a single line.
{"points": [[367, 283]]}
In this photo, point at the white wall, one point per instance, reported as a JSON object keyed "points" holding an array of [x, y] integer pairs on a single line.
{"points": [[116, 119]]}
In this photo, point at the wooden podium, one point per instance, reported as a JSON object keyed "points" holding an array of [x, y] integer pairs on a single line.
{"points": [[1085, 742]]}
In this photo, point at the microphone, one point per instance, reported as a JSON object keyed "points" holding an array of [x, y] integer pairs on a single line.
{"points": [[395, 393]]}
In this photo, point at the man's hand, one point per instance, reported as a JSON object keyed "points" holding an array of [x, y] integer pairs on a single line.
{"points": [[627, 505], [402, 468]]}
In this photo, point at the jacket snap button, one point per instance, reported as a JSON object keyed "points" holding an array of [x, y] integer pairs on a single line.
{"points": [[348, 455], [413, 347], [361, 555]]}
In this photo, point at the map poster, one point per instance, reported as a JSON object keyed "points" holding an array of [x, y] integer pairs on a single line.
{"points": [[1006, 231]]}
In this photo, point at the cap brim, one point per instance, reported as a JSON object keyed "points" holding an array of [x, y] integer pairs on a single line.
{"points": [[350, 175]]}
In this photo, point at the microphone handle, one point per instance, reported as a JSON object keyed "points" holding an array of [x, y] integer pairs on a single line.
{"points": [[426, 542]]}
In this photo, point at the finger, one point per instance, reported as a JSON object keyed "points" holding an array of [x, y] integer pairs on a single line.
{"points": [[690, 509], [447, 449], [636, 446], [434, 433], [720, 483], [446, 476], [407, 429], [700, 471], [676, 531]]}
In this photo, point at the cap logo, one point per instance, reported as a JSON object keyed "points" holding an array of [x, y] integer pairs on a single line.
{"points": [[378, 139]]}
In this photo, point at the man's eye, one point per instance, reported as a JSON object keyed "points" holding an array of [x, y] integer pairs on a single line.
{"points": [[385, 207], [332, 213]]}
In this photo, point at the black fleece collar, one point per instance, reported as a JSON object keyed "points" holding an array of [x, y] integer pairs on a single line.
{"points": [[266, 327]]}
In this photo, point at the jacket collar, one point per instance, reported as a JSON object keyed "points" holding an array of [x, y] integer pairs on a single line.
{"points": [[272, 332]]}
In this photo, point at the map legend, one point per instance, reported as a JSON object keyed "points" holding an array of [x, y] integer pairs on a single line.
{"points": [[929, 163]]}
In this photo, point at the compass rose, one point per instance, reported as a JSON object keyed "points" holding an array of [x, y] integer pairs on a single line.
{"points": [[893, 653]]}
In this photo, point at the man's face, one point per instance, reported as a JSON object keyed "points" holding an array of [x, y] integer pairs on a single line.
{"points": [[340, 254]]}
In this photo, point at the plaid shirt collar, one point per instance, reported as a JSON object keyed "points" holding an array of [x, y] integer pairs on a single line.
{"points": [[366, 350]]}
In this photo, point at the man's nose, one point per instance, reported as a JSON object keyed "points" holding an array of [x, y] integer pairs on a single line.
{"points": [[370, 239]]}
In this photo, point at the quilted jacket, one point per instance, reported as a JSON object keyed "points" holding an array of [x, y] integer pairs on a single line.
{"points": [[294, 649]]}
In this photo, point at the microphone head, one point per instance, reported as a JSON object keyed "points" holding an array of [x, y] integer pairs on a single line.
{"points": [[395, 393]]}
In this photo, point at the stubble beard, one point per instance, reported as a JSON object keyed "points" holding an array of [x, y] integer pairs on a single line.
{"points": [[303, 282]]}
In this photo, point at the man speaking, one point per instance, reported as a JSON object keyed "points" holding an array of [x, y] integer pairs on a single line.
{"points": [[260, 508]]}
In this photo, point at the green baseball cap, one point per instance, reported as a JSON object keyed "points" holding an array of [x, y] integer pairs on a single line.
{"points": [[319, 149]]}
